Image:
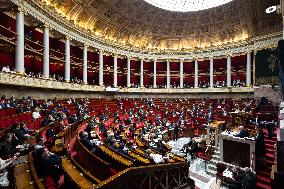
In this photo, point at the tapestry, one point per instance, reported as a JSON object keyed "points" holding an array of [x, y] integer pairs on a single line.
{"points": [[266, 67]]}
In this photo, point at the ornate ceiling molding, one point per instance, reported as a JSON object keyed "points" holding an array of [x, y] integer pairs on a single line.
{"points": [[65, 27]]}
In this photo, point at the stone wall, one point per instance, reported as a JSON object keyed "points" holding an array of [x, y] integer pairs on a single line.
{"points": [[271, 93], [41, 93]]}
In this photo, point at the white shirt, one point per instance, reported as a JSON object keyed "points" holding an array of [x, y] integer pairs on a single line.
{"points": [[157, 158], [36, 115], [5, 69]]}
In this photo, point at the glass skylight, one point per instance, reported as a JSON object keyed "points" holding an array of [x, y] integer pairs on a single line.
{"points": [[186, 5]]}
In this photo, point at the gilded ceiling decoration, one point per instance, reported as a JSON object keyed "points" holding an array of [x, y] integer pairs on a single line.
{"points": [[136, 23]]}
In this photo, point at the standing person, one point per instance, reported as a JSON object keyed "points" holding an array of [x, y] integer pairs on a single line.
{"points": [[260, 149], [176, 132]]}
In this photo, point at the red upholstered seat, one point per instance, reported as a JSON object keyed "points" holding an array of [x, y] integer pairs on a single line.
{"points": [[221, 167], [113, 172], [49, 182]]}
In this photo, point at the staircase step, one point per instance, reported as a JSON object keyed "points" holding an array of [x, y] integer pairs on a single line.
{"points": [[269, 156], [262, 186], [263, 179], [269, 145], [211, 172], [215, 156], [214, 161]]}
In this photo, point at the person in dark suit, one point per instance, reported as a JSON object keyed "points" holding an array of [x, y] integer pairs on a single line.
{"points": [[250, 180], [86, 142], [238, 179], [8, 144], [176, 132], [49, 164], [260, 149], [90, 127], [193, 148]]}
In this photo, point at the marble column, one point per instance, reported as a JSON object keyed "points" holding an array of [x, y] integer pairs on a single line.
{"points": [[115, 71], [181, 74], [141, 74], [67, 60], [101, 68], [248, 74], [168, 74], [128, 72], [20, 48], [155, 74], [196, 74], [211, 72], [85, 64], [229, 71], [46, 52]]}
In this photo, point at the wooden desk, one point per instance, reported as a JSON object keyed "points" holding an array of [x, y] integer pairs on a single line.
{"points": [[24, 179], [216, 124], [76, 175], [115, 156], [36, 178], [139, 157]]}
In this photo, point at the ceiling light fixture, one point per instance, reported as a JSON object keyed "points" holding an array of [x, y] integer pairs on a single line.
{"points": [[187, 5]]}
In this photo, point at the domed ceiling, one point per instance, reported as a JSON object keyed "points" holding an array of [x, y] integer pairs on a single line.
{"points": [[136, 23]]}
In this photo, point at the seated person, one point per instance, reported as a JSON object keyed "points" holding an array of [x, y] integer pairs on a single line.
{"points": [[36, 114], [39, 143], [157, 158], [4, 164], [22, 132], [86, 142], [90, 127], [49, 119], [49, 164], [161, 147], [8, 144], [49, 133], [242, 133], [73, 119]]}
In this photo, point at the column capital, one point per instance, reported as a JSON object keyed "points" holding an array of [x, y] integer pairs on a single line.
{"points": [[21, 9], [229, 55], [181, 60], [46, 25], [67, 37], [86, 45], [248, 51]]}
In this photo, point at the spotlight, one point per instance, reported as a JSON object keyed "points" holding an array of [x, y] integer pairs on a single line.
{"points": [[271, 9]]}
